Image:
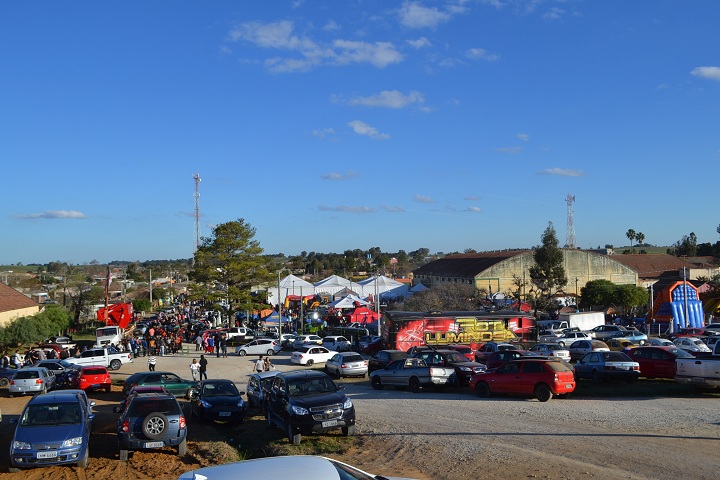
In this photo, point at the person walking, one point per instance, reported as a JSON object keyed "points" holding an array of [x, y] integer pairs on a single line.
{"points": [[259, 365], [151, 362], [194, 369], [203, 367], [268, 365]]}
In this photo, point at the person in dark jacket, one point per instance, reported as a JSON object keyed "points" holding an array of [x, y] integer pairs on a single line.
{"points": [[203, 367]]}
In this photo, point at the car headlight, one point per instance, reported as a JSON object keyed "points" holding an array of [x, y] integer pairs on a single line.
{"points": [[205, 404], [299, 410], [73, 442], [18, 445], [465, 369], [348, 404]]}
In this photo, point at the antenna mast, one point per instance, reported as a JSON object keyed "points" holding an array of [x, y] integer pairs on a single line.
{"points": [[570, 236], [196, 177]]}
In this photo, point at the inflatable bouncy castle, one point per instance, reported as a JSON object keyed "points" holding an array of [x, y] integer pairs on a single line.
{"points": [[670, 306]]}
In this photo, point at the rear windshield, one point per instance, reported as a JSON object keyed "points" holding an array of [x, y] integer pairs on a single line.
{"points": [[26, 374], [352, 358], [559, 367], [95, 371], [143, 407]]}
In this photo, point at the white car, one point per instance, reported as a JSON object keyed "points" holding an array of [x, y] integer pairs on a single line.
{"points": [[570, 337], [305, 340], [337, 343], [659, 342], [691, 344], [312, 354], [297, 467], [552, 350], [581, 347], [261, 346]]}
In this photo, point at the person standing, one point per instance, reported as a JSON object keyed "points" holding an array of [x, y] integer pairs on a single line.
{"points": [[259, 365], [203, 367], [198, 342], [152, 361], [223, 345], [194, 369]]}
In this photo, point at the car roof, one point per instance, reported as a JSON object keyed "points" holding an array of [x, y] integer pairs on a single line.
{"points": [[52, 397], [268, 374], [298, 467], [302, 373]]}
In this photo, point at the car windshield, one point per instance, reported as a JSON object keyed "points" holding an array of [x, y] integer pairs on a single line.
{"points": [[51, 414], [144, 407], [219, 389], [352, 358], [305, 386], [456, 357]]}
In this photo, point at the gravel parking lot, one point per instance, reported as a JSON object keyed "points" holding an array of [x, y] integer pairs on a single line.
{"points": [[456, 435]]}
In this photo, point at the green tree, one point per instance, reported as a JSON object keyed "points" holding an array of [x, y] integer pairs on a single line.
{"points": [[686, 247], [53, 320], [230, 263], [548, 273], [630, 297], [640, 237], [597, 293], [631, 235], [443, 297]]}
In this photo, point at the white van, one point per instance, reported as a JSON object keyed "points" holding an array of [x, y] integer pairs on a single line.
{"points": [[336, 343]]}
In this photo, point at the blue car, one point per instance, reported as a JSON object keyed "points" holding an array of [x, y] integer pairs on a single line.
{"points": [[53, 429]]}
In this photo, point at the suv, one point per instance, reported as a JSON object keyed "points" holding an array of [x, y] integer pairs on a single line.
{"points": [[151, 420], [464, 368], [336, 343], [308, 401]]}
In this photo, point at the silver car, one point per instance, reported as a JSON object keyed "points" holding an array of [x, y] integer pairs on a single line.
{"points": [[261, 346], [347, 364], [31, 380]]}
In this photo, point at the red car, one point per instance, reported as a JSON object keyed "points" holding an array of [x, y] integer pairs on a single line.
{"points": [[538, 377], [657, 362], [92, 377]]}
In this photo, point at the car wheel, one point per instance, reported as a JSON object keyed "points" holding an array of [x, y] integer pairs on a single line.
{"points": [[242, 353], [4, 382], [348, 431], [310, 362], [85, 460], [482, 390], [123, 455], [543, 393], [182, 448], [270, 352], [596, 377], [115, 364], [155, 425], [294, 438], [414, 385], [376, 383], [562, 344]]}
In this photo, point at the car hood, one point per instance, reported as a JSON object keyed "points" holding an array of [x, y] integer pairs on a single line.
{"points": [[318, 399], [48, 433], [220, 400]]}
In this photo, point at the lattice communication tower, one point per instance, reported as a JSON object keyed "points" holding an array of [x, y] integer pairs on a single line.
{"points": [[570, 238], [196, 177]]}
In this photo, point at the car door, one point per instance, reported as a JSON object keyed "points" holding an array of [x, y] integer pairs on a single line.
{"points": [[663, 363], [173, 384], [531, 373], [505, 378]]}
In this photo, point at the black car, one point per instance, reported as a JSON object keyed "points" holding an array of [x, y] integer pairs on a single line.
{"points": [[464, 368], [308, 401], [217, 400], [151, 420], [382, 358]]}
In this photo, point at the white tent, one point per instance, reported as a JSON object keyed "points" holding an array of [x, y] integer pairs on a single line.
{"points": [[290, 285], [335, 283], [384, 287], [348, 302]]}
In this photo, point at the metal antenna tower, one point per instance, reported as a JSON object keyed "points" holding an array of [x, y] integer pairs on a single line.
{"points": [[570, 238], [196, 177]]}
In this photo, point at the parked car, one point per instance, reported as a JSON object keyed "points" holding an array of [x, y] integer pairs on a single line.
{"points": [[141, 389], [601, 332], [657, 362], [304, 340], [286, 340], [151, 420], [634, 335], [538, 377], [257, 386], [691, 345], [347, 364], [337, 343], [489, 348], [551, 350], [301, 402], [92, 377], [659, 342], [31, 380], [464, 368], [63, 370], [571, 337], [600, 366], [382, 358], [695, 332], [261, 346], [372, 347], [295, 466], [581, 347], [173, 383], [618, 344], [365, 340], [413, 373], [217, 400], [500, 358], [6, 375], [53, 429], [464, 349], [310, 355]]}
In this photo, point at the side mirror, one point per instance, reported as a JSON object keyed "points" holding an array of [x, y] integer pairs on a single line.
{"points": [[117, 409]]}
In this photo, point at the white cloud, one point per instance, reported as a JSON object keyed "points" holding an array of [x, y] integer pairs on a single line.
{"points": [[421, 42], [53, 214], [339, 176], [378, 54], [322, 133], [422, 199], [414, 15], [347, 209], [523, 136], [331, 25], [362, 128], [389, 99], [474, 209], [563, 172], [554, 14], [711, 73], [481, 54]]}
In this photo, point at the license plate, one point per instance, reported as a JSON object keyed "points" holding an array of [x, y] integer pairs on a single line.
{"points": [[330, 423], [698, 380], [154, 444], [623, 368], [225, 414], [52, 454], [568, 386]]}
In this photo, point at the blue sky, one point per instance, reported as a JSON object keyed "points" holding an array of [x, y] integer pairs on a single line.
{"points": [[335, 125]]}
